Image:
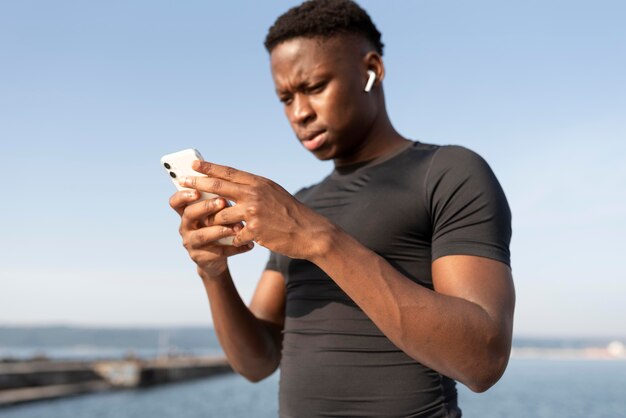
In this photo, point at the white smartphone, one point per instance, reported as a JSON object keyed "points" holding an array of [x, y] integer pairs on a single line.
{"points": [[178, 165]]}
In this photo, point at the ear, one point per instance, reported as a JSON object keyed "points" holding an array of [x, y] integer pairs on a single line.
{"points": [[373, 62]]}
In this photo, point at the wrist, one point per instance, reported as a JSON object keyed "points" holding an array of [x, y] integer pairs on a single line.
{"points": [[326, 238], [211, 274]]}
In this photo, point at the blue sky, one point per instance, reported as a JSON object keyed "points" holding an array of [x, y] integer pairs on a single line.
{"points": [[93, 93]]}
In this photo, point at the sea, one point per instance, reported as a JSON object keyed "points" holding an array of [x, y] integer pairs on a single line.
{"points": [[545, 378]]}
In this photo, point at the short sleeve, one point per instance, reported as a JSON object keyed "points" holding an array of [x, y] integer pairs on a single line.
{"points": [[469, 211], [272, 262]]}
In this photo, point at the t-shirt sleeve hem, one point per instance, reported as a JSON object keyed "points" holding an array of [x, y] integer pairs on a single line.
{"points": [[473, 249], [272, 263]]}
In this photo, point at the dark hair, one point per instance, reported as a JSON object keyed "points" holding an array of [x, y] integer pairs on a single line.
{"points": [[323, 18]]}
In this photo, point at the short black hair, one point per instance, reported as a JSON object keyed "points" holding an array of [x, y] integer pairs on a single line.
{"points": [[323, 18]]}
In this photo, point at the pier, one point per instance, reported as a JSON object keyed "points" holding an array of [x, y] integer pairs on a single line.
{"points": [[28, 381]]}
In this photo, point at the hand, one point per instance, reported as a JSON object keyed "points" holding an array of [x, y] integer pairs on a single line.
{"points": [[273, 217], [200, 233]]}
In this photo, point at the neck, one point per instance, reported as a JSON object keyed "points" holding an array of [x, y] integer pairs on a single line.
{"points": [[381, 139]]}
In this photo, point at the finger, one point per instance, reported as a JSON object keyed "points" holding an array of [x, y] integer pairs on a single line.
{"points": [[216, 186], [200, 210], [196, 215], [223, 172], [230, 215], [203, 237], [180, 200], [243, 237]]}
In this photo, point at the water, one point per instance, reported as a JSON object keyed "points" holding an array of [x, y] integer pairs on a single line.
{"points": [[531, 388], [542, 388], [222, 396]]}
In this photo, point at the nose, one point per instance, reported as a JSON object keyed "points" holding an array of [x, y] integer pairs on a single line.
{"points": [[302, 112]]}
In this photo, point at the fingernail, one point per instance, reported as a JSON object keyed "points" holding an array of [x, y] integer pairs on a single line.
{"points": [[237, 228]]}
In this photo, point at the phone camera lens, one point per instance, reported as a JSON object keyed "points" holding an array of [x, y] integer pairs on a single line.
{"points": [[166, 165], [172, 174]]}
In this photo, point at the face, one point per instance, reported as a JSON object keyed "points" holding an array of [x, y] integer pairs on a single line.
{"points": [[320, 83]]}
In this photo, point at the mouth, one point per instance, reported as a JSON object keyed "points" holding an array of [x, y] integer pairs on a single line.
{"points": [[313, 140]]}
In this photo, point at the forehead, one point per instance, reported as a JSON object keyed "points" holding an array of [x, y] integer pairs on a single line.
{"points": [[300, 57]]}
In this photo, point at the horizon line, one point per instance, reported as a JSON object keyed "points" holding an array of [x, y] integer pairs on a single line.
{"points": [[156, 327]]}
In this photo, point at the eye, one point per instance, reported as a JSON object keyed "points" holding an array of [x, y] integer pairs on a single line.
{"points": [[316, 88], [285, 99]]}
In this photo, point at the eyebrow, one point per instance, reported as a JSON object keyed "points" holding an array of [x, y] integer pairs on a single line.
{"points": [[306, 83]]}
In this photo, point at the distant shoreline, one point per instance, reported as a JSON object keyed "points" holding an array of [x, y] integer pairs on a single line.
{"points": [[83, 342], [209, 327]]}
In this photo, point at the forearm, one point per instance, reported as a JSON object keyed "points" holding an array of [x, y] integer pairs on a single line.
{"points": [[250, 344], [452, 335]]}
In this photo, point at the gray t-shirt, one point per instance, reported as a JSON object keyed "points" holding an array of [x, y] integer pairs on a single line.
{"points": [[412, 207]]}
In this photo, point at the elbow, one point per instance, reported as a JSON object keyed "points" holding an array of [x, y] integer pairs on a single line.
{"points": [[489, 372], [254, 376], [258, 370], [481, 385], [491, 361]]}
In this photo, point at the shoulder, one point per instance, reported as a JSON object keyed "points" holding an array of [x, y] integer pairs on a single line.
{"points": [[441, 156], [454, 156], [459, 178], [468, 208], [455, 161]]}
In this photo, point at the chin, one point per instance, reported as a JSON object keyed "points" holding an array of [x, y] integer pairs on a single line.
{"points": [[322, 156], [326, 153]]}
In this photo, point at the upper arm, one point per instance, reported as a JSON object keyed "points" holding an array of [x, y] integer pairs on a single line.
{"points": [[484, 287], [471, 233], [485, 282], [268, 301]]}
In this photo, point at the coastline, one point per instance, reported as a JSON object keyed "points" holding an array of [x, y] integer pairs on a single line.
{"points": [[31, 380]]}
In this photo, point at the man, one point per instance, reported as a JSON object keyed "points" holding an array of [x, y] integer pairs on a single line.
{"points": [[390, 278]]}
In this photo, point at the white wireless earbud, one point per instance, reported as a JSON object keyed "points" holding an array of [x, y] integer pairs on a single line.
{"points": [[370, 81]]}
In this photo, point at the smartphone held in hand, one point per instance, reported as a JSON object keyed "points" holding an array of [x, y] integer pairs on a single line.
{"points": [[178, 166]]}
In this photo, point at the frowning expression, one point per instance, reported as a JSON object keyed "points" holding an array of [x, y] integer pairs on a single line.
{"points": [[320, 83]]}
